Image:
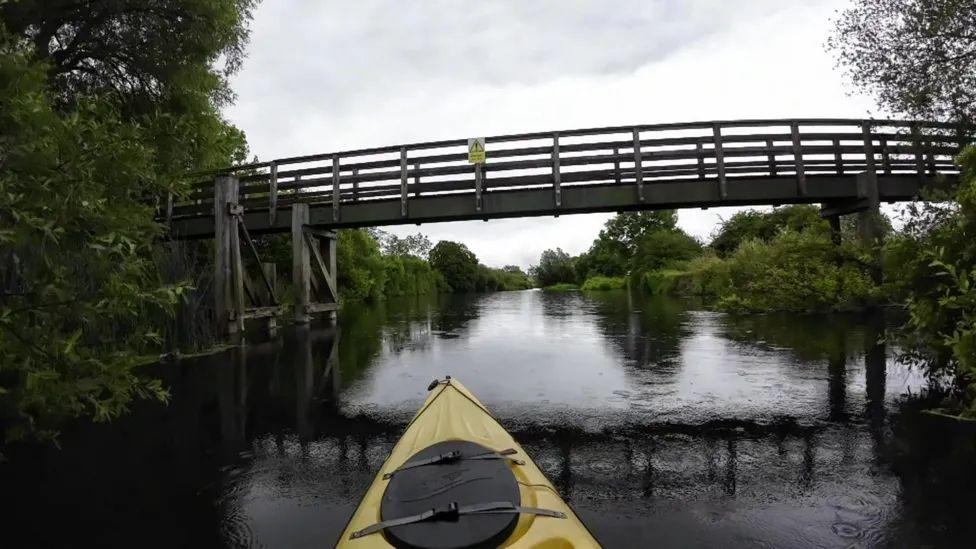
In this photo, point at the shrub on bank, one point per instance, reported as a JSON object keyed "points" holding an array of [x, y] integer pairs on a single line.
{"points": [[604, 283], [562, 287], [799, 271]]}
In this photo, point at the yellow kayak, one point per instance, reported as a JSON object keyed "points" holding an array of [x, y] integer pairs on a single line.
{"points": [[456, 478]]}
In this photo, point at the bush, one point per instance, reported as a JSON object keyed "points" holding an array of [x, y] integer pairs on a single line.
{"points": [[562, 287], [603, 283], [799, 271]]}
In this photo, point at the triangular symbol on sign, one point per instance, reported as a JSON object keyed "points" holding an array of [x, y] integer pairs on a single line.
{"points": [[477, 147]]}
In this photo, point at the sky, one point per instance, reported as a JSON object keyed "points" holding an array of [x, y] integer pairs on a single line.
{"points": [[323, 76]]}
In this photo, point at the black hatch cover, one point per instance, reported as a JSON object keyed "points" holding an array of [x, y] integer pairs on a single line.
{"points": [[412, 491]]}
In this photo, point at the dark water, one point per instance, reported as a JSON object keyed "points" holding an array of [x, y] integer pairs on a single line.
{"points": [[663, 426]]}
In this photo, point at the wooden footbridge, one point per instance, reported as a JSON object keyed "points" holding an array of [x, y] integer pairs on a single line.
{"points": [[845, 165]]}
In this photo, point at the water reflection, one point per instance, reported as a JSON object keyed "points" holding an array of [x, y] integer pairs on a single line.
{"points": [[654, 420]]}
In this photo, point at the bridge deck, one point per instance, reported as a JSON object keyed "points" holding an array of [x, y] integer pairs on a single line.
{"points": [[700, 164]]}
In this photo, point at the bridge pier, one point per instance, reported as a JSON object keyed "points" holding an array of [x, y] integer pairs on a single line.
{"points": [[314, 274], [231, 281]]}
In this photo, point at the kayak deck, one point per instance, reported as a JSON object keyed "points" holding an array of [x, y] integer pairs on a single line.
{"points": [[452, 413]]}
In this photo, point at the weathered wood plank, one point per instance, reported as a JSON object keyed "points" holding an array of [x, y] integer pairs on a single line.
{"points": [[301, 270], [336, 174], [801, 176], [403, 181], [638, 166], [723, 190], [555, 170], [273, 193]]}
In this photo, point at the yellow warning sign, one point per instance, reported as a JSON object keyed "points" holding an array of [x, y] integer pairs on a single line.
{"points": [[476, 150]]}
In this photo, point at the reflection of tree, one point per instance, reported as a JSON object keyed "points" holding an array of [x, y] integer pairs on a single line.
{"points": [[647, 330]]}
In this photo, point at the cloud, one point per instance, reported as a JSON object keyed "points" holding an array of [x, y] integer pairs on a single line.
{"points": [[332, 76]]}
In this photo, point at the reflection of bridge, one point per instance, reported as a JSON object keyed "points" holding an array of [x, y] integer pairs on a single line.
{"points": [[846, 165]]}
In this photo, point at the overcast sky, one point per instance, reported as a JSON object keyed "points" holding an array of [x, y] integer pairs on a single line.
{"points": [[323, 76]]}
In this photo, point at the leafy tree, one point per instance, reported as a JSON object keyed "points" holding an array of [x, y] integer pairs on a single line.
{"points": [[754, 224], [664, 248], [931, 265], [555, 266], [457, 264], [104, 106], [628, 228], [416, 244], [916, 57]]}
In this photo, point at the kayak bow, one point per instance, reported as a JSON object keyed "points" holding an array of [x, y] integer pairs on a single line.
{"points": [[456, 478]]}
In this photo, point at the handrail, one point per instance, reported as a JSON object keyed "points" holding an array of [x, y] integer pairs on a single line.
{"points": [[616, 155]]}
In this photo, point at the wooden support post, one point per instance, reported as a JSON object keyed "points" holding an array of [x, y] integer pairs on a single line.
{"points": [[228, 301], [838, 158], [169, 208], [403, 181], [273, 194], [719, 161], [801, 176], [478, 176], [335, 187], [301, 268], [770, 157], [556, 177], [330, 244], [269, 271], [616, 166], [835, 234], [638, 166]]}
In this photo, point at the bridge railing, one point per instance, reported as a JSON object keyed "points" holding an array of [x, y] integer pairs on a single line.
{"points": [[638, 156]]}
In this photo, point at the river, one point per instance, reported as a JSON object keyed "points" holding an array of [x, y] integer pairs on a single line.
{"points": [[662, 424]]}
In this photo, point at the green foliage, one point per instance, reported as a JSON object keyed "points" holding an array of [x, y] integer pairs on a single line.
{"points": [[561, 287], [555, 267], [764, 226], [799, 271], [410, 275], [619, 240], [664, 248], [416, 244], [932, 265], [706, 276], [508, 278], [362, 270], [457, 264], [603, 283], [916, 57]]}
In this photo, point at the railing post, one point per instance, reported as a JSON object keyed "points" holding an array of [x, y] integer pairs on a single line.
{"points": [[838, 158], [700, 154], [771, 157], [638, 166], [930, 157], [169, 209], [416, 179], [403, 181], [556, 177], [917, 147], [801, 176], [719, 161], [301, 267], [478, 175], [335, 187], [272, 193], [616, 165], [868, 189], [885, 157], [355, 185]]}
